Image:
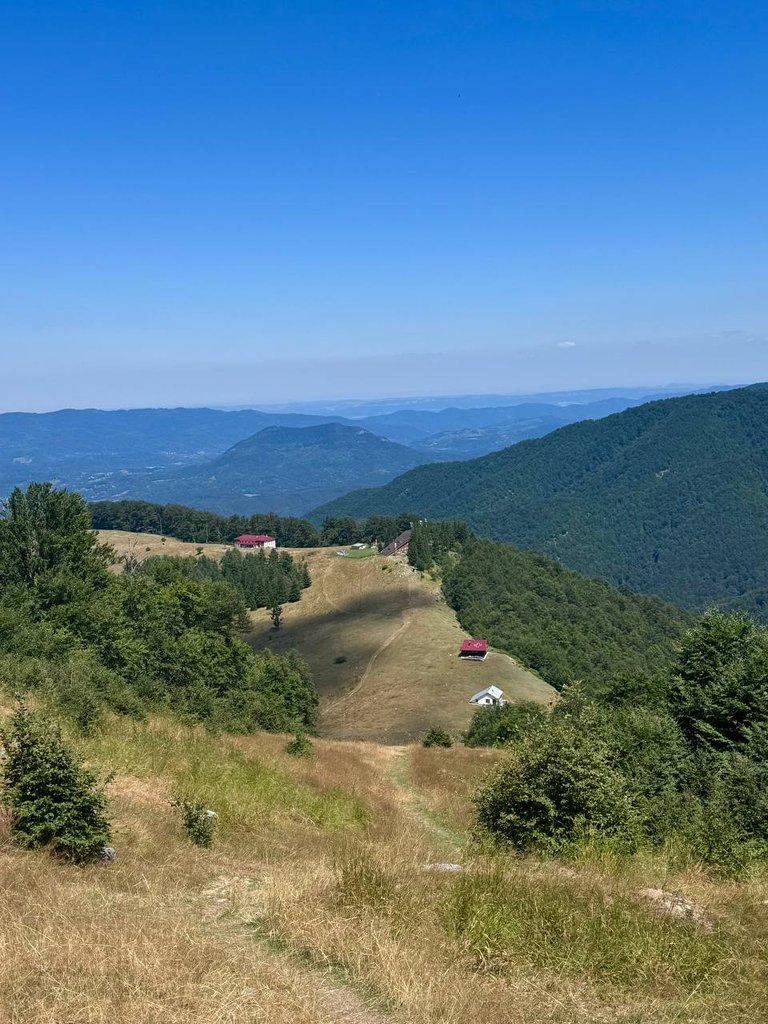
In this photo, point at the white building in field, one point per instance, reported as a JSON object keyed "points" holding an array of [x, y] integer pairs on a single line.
{"points": [[489, 697]]}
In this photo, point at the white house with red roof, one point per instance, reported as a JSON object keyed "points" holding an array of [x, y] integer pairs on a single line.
{"points": [[255, 540]]}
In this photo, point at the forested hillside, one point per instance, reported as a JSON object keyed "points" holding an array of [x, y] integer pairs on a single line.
{"points": [[670, 498], [563, 625], [162, 635], [281, 469]]}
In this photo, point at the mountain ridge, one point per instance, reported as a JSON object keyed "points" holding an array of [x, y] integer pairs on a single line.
{"points": [[670, 497]]}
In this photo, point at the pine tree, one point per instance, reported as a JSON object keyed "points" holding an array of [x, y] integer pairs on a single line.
{"points": [[54, 801]]}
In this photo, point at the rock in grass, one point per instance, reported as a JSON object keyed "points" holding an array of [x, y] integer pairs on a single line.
{"points": [[674, 904], [442, 867]]}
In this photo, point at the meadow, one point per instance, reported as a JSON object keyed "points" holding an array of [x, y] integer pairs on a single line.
{"points": [[380, 641], [320, 901]]}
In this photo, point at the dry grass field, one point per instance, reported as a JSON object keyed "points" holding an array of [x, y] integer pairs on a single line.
{"points": [[147, 545], [381, 643], [399, 642], [317, 905]]}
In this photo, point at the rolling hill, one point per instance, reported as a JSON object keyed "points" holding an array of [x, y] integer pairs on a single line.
{"points": [[99, 452], [80, 448], [669, 498], [280, 469]]}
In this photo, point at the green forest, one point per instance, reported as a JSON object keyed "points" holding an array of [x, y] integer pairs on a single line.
{"points": [[669, 498], [561, 624], [165, 635], [193, 524], [263, 580]]}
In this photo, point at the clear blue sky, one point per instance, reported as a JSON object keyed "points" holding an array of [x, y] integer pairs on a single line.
{"points": [[230, 202]]}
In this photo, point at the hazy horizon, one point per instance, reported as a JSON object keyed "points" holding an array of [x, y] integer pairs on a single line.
{"points": [[240, 204]]}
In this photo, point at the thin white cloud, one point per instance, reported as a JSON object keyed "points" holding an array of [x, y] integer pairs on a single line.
{"points": [[566, 344]]}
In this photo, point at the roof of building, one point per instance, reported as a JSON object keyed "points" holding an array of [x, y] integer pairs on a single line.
{"points": [[474, 647], [397, 544], [488, 691], [253, 538]]}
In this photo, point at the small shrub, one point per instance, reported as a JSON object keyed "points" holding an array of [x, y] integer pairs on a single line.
{"points": [[199, 822], [560, 786], [55, 802], [340, 659], [437, 737], [299, 746]]}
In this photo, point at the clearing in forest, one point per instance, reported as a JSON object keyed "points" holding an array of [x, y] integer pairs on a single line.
{"points": [[381, 643], [383, 648]]}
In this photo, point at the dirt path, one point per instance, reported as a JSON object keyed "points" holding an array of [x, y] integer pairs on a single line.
{"points": [[234, 904]]}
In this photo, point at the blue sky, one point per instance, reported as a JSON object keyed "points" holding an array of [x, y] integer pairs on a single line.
{"points": [[238, 202]]}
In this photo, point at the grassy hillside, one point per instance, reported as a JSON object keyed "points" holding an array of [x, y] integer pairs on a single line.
{"points": [[669, 498], [381, 640], [398, 640], [382, 646], [314, 905]]}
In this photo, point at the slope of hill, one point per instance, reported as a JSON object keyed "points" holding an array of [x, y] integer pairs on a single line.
{"points": [[280, 469], [320, 861], [670, 498], [413, 426], [383, 649], [96, 451], [381, 640]]}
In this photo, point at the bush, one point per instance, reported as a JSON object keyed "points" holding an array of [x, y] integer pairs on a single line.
{"points": [[559, 786], [299, 746], [340, 659], [198, 820], [55, 802], [502, 724], [437, 737]]}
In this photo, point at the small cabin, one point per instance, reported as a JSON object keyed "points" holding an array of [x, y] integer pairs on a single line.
{"points": [[399, 546], [491, 696], [255, 540], [474, 650]]}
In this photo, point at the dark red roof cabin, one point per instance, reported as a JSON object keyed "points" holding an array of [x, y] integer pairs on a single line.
{"points": [[255, 540], [474, 650]]}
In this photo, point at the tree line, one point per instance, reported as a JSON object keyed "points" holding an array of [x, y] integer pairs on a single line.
{"points": [[263, 580], [165, 636], [200, 527]]}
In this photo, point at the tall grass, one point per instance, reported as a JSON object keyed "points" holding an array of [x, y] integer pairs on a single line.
{"points": [[333, 857]]}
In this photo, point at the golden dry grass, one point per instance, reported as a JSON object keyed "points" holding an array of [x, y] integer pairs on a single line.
{"points": [[400, 641], [147, 545], [315, 905], [401, 673]]}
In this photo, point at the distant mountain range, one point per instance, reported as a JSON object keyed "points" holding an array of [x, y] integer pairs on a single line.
{"points": [[669, 498], [280, 469], [127, 453]]}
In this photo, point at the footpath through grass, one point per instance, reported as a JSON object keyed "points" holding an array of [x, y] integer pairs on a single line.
{"points": [[317, 903]]}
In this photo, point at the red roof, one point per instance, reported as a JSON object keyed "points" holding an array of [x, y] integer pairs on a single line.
{"points": [[253, 538], [475, 646]]}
